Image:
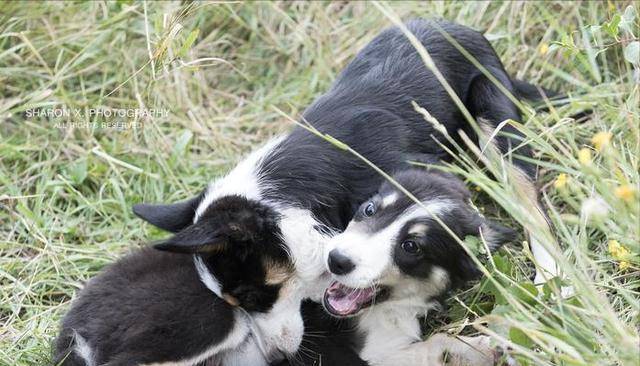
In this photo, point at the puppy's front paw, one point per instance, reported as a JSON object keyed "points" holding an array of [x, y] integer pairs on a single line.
{"points": [[482, 352], [463, 351]]}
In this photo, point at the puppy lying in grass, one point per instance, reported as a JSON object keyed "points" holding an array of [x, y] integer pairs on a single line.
{"points": [[232, 299], [395, 261]]}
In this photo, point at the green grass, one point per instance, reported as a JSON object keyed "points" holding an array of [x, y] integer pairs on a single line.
{"points": [[225, 70]]}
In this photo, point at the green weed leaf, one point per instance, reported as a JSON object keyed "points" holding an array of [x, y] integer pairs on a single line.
{"points": [[519, 337], [186, 46]]}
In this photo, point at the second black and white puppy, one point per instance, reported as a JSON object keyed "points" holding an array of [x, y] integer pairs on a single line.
{"points": [[234, 301], [396, 261]]}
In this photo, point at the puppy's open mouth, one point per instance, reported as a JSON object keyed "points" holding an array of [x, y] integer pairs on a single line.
{"points": [[342, 301]]}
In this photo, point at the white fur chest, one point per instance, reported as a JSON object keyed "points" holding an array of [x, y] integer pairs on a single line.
{"points": [[387, 330]]}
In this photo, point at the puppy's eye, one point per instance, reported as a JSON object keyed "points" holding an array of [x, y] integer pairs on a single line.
{"points": [[369, 210], [411, 247]]}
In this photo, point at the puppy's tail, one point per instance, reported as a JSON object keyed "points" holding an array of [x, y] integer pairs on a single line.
{"points": [[533, 93], [543, 97]]}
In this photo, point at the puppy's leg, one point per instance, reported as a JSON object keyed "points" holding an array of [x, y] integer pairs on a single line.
{"points": [[444, 350], [487, 103]]}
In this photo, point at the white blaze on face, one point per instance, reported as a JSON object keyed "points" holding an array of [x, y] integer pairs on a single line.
{"points": [[389, 199], [372, 252]]}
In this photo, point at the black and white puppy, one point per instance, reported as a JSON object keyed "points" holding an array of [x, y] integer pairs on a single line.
{"points": [[234, 301], [397, 261], [315, 187]]}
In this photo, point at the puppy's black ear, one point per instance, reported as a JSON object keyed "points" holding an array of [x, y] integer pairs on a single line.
{"points": [[197, 238], [496, 235], [170, 217]]}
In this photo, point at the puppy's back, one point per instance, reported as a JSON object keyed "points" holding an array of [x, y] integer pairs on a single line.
{"points": [[149, 306]]}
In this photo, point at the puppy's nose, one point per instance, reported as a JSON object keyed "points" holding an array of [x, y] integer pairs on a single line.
{"points": [[339, 263]]}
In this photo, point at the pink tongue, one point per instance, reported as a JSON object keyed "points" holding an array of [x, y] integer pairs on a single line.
{"points": [[346, 300]]}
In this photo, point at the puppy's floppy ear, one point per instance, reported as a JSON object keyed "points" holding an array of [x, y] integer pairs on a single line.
{"points": [[495, 234], [197, 238], [170, 217]]}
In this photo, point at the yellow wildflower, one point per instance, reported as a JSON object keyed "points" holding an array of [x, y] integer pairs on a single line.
{"points": [[625, 192], [619, 253], [601, 140], [561, 181], [616, 249], [584, 156], [543, 48]]}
